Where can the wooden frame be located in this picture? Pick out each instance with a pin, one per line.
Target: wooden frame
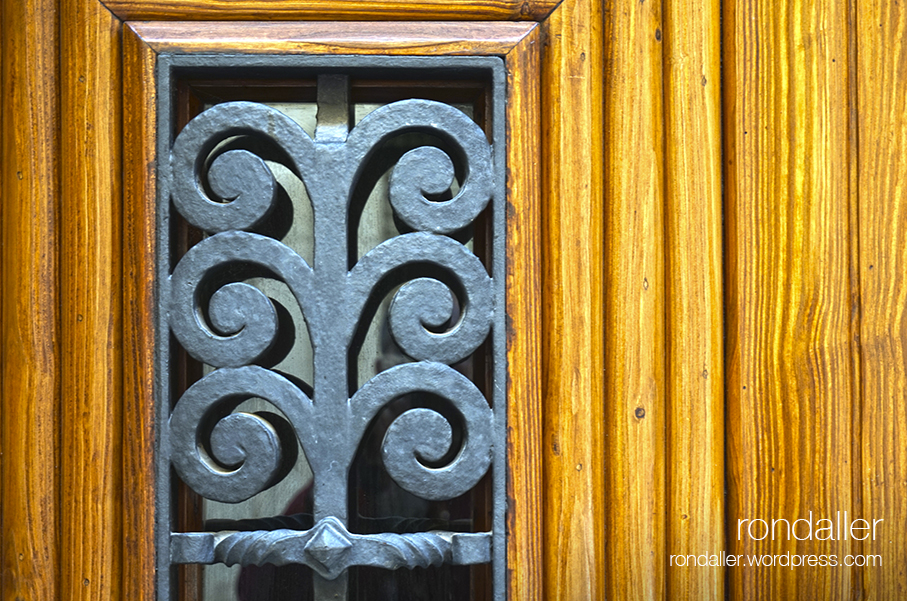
(518, 44)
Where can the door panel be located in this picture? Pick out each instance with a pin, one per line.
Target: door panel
(122, 499)
(618, 445)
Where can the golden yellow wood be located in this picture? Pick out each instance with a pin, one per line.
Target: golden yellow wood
(572, 328)
(29, 304)
(881, 187)
(789, 369)
(629, 304)
(91, 304)
(525, 491)
(635, 411)
(139, 135)
(693, 295)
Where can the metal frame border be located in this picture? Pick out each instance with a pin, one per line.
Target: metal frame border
(168, 67)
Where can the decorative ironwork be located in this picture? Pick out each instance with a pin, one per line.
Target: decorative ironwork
(225, 189)
(329, 548)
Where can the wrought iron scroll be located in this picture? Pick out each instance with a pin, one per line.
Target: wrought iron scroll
(228, 455)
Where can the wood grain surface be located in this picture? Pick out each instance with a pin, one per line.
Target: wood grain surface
(789, 369)
(525, 492)
(91, 303)
(635, 290)
(331, 10)
(881, 107)
(139, 168)
(29, 310)
(572, 329)
(694, 305)
(334, 38)
(623, 392)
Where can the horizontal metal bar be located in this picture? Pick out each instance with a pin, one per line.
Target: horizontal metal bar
(330, 549)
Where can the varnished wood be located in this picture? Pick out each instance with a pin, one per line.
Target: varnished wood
(519, 44)
(635, 290)
(29, 311)
(881, 106)
(814, 220)
(331, 10)
(139, 123)
(788, 286)
(334, 38)
(525, 492)
(694, 305)
(91, 304)
(572, 328)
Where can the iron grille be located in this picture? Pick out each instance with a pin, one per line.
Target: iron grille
(211, 311)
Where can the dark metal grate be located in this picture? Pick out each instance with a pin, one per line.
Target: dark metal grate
(225, 190)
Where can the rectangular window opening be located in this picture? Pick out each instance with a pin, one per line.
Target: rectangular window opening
(222, 268)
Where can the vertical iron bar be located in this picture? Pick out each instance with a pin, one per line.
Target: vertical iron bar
(333, 120)
(330, 590)
(331, 398)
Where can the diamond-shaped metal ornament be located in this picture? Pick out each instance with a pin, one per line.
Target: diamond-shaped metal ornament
(329, 547)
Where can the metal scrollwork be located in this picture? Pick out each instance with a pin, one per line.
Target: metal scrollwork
(251, 443)
(442, 312)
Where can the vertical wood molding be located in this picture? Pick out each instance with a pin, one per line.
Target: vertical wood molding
(29, 355)
(139, 169)
(572, 316)
(634, 301)
(881, 96)
(524, 420)
(91, 308)
(694, 303)
(789, 369)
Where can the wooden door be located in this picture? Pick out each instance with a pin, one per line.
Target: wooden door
(714, 227)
